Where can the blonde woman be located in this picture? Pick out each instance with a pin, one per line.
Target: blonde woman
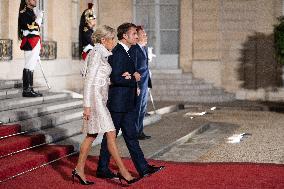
(97, 118)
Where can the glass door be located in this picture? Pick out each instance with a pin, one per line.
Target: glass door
(160, 19)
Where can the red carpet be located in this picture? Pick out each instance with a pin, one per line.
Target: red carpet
(174, 176)
(9, 129)
(25, 160)
(15, 143)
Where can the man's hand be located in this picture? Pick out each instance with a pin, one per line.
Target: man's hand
(127, 75)
(87, 112)
(137, 76)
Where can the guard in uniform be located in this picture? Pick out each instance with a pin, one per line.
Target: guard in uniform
(86, 29)
(29, 24)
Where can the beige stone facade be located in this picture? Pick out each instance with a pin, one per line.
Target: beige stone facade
(226, 42)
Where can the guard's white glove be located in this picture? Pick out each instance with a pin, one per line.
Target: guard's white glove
(39, 16)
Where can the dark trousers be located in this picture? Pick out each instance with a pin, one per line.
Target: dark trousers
(125, 122)
(141, 108)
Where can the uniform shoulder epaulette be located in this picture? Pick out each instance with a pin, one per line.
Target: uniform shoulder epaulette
(23, 10)
(85, 29)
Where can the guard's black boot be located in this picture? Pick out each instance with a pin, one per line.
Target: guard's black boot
(32, 83)
(27, 87)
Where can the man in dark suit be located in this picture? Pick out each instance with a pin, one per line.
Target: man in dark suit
(139, 55)
(122, 104)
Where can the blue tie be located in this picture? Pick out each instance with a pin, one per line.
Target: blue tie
(144, 51)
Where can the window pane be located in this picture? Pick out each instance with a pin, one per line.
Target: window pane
(169, 42)
(145, 15)
(176, 2)
(169, 17)
(143, 2)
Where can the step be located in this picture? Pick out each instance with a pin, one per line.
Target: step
(17, 92)
(51, 120)
(177, 82)
(20, 102)
(8, 84)
(171, 76)
(16, 143)
(29, 159)
(39, 110)
(62, 131)
(183, 87)
(6, 130)
(162, 133)
(207, 99)
(165, 71)
(186, 93)
(76, 140)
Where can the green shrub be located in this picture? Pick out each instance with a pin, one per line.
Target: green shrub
(279, 40)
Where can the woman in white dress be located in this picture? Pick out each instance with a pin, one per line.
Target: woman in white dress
(97, 118)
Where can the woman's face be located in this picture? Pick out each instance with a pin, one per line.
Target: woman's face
(109, 43)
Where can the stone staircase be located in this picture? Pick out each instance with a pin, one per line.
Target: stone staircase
(32, 127)
(36, 131)
(39, 114)
(183, 87)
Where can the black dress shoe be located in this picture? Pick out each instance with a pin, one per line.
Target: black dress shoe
(106, 175)
(143, 137)
(151, 170)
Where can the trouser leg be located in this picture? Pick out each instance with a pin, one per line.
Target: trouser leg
(142, 109)
(31, 59)
(131, 139)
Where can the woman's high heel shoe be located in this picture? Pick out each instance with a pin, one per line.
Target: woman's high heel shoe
(83, 182)
(120, 177)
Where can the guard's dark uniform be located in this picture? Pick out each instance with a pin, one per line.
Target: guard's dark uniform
(29, 28)
(29, 32)
(85, 31)
(87, 42)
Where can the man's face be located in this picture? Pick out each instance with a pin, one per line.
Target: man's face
(131, 36)
(142, 37)
(31, 3)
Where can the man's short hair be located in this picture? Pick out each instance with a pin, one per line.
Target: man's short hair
(123, 29)
(139, 28)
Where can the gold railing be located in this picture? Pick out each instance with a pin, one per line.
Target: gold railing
(75, 50)
(6, 49)
(48, 50)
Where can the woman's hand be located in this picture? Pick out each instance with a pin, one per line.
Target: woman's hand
(86, 113)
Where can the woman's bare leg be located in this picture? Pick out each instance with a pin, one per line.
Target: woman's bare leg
(84, 151)
(112, 147)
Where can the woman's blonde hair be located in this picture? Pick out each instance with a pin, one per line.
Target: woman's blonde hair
(103, 32)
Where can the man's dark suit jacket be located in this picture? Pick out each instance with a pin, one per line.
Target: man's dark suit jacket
(122, 92)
